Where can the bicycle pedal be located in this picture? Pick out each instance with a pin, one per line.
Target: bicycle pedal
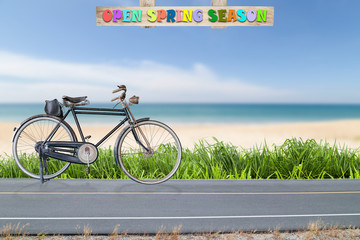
(87, 170)
(87, 137)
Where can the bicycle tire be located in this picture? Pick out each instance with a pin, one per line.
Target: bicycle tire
(149, 168)
(34, 130)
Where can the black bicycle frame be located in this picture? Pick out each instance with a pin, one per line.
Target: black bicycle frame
(98, 111)
(44, 152)
(92, 111)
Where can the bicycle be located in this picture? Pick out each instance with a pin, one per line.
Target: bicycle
(45, 145)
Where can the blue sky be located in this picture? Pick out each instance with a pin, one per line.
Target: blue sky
(52, 48)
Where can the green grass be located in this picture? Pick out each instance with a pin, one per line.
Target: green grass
(294, 159)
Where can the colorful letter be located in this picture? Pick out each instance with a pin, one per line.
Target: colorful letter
(251, 15)
(117, 15)
(178, 17)
(241, 14)
(161, 15)
(170, 15)
(212, 15)
(126, 14)
(261, 15)
(232, 16)
(222, 15)
(198, 15)
(152, 15)
(136, 15)
(107, 15)
(187, 14)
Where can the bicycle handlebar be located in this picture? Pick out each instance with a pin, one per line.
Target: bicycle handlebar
(120, 88)
(121, 97)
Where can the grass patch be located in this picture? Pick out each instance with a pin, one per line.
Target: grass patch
(294, 159)
(315, 230)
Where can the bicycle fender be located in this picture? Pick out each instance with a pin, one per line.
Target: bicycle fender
(142, 119)
(120, 135)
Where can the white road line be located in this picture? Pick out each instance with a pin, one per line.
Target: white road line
(176, 193)
(184, 217)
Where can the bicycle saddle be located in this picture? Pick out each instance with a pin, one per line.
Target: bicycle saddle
(75, 101)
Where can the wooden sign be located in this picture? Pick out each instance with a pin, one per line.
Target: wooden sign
(214, 16)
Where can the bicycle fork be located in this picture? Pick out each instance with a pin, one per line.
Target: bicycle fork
(133, 130)
(148, 148)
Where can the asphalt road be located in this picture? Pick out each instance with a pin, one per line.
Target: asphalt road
(67, 206)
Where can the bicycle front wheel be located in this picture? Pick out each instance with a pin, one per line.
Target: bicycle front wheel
(154, 157)
(32, 133)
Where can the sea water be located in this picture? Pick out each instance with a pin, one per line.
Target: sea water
(203, 113)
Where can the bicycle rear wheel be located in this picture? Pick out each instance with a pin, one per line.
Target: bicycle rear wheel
(33, 132)
(156, 165)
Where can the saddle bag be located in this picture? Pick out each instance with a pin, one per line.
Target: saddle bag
(53, 107)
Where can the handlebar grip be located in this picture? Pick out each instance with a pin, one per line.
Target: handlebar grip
(120, 87)
(121, 97)
(116, 90)
(114, 99)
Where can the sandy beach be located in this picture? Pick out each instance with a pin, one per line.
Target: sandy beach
(345, 132)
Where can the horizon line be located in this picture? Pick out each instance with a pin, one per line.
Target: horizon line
(210, 103)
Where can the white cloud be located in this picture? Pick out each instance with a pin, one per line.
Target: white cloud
(27, 79)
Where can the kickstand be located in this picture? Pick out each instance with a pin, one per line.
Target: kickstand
(42, 162)
(41, 169)
(45, 166)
